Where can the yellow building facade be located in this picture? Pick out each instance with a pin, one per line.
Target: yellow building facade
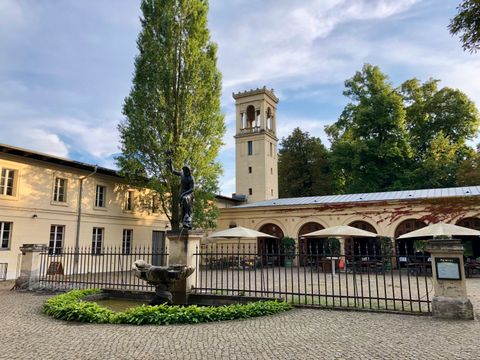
(389, 214)
(39, 203)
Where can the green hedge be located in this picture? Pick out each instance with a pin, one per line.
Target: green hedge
(69, 306)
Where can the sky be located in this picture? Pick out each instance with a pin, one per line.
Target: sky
(66, 66)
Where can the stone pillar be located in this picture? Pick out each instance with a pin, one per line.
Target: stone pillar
(30, 266)
(181, 248)
(448, 275)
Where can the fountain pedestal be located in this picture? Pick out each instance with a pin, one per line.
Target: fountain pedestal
(182, 247)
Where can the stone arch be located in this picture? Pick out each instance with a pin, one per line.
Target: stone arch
(300, 224)
(269, 248)
(405, 246)
(264, 222)
(363, 225)
(251, 116)
(471, 244)
(361, 245)
(309, 245)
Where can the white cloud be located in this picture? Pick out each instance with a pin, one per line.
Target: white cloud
(56, 136)
(99, 138)
(36, 139)
(279, 41)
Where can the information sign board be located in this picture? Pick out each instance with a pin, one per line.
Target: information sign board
(448, 268)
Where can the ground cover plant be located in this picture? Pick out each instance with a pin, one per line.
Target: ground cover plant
(71, 307)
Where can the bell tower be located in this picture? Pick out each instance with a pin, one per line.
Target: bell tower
(256, 144)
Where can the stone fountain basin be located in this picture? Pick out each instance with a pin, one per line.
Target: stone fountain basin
(120, 300)
(117, 300)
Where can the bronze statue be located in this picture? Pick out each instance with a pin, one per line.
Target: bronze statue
(186, 193)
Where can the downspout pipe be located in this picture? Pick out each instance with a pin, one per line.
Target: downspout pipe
(79, 213)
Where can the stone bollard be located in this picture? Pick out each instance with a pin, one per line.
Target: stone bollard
(30, 267)
(181, 251)
(448, 275)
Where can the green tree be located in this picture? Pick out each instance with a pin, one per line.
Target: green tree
(439, 123)
(303, 166)
(466, 24)
(370, 149)
(174, 104)
(468, 173)
(412, 137)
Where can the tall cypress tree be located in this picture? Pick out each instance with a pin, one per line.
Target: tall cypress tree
(174, 104)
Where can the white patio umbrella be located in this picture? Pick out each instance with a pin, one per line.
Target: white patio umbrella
(239, 232)
(441, 229)
(340, 231)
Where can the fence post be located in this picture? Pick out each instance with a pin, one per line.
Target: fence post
(448, 275)
(181, 251)
(30, 266)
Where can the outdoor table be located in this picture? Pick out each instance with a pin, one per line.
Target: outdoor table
(419, 268)
(472, 268)
(328, 264)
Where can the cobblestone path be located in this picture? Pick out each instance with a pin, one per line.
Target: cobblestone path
(25, 333)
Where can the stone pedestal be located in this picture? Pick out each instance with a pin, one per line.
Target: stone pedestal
(30, 267)
(181, 249)
(450, 300)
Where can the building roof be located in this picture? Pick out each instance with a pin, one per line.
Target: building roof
(13, 150)
(466, 191)
(227, 198)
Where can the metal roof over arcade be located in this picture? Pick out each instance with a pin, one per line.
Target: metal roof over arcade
(465, 191)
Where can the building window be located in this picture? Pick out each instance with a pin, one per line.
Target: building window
(56, 239)
(5, 234)
(97, 241)
(60, 190)
(100, 195)
(271, 192)
(271, 149)
(7, 182)
(249, 169)
(271, 171)
(127, 241)
(250, 191)
(129, 200)
(250, 148)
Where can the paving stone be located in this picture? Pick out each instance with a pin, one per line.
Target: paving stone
(26, 333)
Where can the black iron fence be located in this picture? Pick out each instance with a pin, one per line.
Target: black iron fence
(311, 278)
(110, 268)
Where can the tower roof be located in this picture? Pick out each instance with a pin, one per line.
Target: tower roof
(257, 91)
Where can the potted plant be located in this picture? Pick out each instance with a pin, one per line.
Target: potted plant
(333, 247)
(288, 249)
(420, 246)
